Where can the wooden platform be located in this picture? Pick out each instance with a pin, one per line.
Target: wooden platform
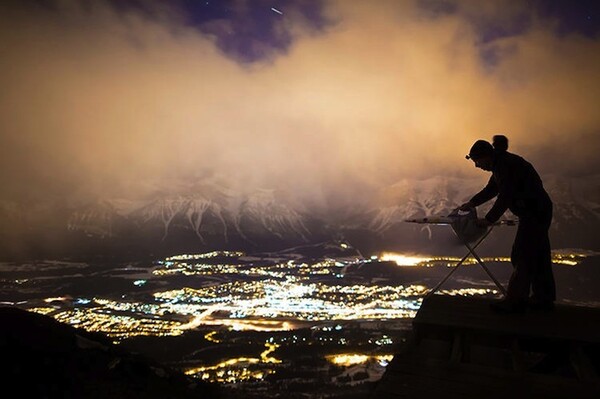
(461, 349)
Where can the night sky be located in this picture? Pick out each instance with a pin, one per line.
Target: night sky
(107, 98)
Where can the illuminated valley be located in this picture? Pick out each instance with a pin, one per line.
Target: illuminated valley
(322, 316)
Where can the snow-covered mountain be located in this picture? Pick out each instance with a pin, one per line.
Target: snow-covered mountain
(408, 199)
(194, 211)
(576, 218)
(211, 214)
(576, 200)
(259, 215)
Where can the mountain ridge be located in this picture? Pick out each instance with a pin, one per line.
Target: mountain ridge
(219, 217)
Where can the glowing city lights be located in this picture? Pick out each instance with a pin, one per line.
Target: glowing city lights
(274, 295)
(404, 260)
(351, 359)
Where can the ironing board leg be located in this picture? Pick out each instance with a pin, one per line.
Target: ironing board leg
(500, 287)
(437, 287)
(477, 258)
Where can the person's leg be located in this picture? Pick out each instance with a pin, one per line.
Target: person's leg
(523, 258)
(520, 280)
(542, 284)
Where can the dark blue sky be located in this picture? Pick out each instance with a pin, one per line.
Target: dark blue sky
(251, 31)
(247, 31)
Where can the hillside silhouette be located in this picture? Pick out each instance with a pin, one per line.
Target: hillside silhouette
(43, 358)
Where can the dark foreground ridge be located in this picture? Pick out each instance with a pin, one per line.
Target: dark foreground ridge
(462, 349)
(43, 358)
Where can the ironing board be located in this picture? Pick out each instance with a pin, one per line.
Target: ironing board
(451, 220)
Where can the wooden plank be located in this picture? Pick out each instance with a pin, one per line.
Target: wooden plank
(459, 307)
(450, 332)
(566, 322)
(419, 377)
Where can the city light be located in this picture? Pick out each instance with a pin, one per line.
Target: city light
(237, 369)
(403, 260)
(351, 359)
(241, 294)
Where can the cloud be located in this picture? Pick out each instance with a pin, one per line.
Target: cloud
(98, 100)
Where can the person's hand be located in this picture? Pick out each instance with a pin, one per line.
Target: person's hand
(483, 223)
(467, 206)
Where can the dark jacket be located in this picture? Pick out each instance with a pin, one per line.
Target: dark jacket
(518, 187)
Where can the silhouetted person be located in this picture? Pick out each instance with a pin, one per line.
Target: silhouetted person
(518, 187)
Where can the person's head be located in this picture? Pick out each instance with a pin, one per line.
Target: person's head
(482, 154)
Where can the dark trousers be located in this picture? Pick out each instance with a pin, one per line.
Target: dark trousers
(531, 259)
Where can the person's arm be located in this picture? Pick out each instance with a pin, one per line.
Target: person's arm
(488, 192)
(506, 192)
